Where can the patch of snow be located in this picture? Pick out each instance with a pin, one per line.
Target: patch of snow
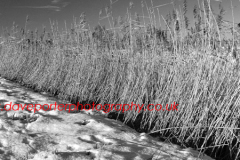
(83, 135)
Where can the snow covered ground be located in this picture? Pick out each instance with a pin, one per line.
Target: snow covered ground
(61, 135)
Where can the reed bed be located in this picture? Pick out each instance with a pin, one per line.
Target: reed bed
(136, 61)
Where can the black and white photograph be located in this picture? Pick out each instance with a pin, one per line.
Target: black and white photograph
(119, 79)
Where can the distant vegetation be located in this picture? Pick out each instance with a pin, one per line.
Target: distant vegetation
(196, 66)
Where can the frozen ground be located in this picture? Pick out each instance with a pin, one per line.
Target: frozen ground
(62, 135)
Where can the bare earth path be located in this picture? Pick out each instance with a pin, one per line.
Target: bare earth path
(60, 135)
